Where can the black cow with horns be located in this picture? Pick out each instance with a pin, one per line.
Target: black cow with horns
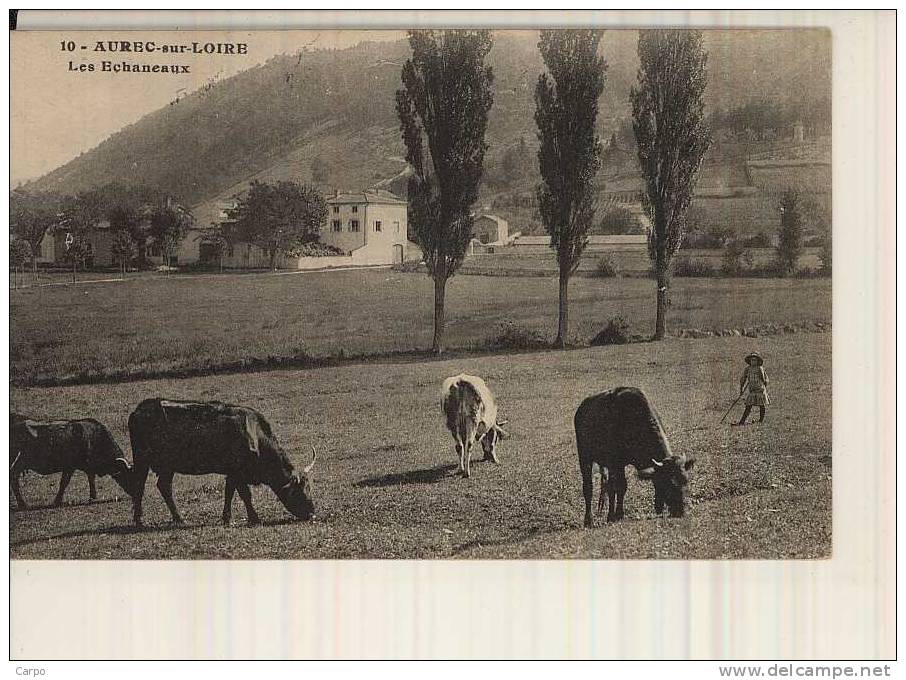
(621, 427)
(200, 438)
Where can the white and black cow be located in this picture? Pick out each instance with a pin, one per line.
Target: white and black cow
(471, 415)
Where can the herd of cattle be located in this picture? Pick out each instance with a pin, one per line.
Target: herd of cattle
(614, 429)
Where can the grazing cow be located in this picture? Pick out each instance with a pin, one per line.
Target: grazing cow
(471, 417)
(48, 447)
(201, 438)
(620, 427)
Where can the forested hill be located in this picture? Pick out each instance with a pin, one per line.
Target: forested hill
(338, 106)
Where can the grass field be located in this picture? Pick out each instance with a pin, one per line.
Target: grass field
(386, 488)
(153, 325)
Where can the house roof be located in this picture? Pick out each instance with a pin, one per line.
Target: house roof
(368, 196)
(495, 218)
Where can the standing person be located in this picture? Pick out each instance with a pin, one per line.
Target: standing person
(757, 381)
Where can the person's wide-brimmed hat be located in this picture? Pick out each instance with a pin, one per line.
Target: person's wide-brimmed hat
(756, 356)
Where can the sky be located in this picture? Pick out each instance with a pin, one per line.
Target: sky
(57, 113)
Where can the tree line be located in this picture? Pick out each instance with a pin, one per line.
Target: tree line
(443, 110)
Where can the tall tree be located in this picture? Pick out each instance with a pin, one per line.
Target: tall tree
(566, 111)
(789, 237)
(443, 110)
(669, 124)
(277, 217)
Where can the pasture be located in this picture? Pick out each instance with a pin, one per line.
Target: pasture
(385, 485)
(158, 325)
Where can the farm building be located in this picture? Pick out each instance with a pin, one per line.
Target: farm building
(491, 229)
(369, 226)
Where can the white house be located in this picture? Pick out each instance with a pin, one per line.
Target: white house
(369, 226)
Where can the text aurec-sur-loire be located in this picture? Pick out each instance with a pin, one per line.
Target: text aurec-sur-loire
(127, 67)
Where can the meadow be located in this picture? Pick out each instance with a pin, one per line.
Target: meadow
(385, 485)
(158, 325)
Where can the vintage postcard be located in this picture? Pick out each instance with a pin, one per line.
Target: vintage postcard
(427, 293)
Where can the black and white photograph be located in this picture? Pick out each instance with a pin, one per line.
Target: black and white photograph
(423, 293)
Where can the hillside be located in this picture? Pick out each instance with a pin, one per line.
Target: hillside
(273, 121)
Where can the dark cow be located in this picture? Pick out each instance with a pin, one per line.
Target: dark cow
(48, 447)
(201, 438)
(620, 427)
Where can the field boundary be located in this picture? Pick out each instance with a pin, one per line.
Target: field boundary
(307, 362)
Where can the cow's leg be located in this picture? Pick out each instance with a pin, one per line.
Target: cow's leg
(588, 490)
(461, 451)
(140, 472)
(246, 495)
(64, 482)
(228, 501)
(468, 456)
(14, 475)
(618, 490)
(165, 486)
(92, 489)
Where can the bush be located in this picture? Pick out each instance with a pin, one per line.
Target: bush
(316, 250)
(619, 220)
(605, 268)
(688, 267)
(736, 258)
(616, 332)
(713, 237)
(511, 335)
(759, 240)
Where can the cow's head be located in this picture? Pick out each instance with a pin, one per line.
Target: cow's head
(121, 471)
(296, 495)
(669, 477)
(492, 436)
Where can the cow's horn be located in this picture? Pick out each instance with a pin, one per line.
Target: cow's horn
(500, 431)
(658, 464)
(502, 422)
(314, 456)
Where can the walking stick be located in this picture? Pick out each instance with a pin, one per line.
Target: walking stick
(731, 408)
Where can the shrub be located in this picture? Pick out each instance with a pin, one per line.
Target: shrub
(616, 332)
(736, 258)
(713, 237)
(409, 267)
(605, 268)
(619, 220)
(316, 249)
(759, 240)
(688, 267)
(511, 335)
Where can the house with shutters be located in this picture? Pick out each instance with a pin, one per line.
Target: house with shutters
(369, 226)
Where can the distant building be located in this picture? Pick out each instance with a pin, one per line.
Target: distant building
(97, 239)
(491, 229)
(798, 131)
